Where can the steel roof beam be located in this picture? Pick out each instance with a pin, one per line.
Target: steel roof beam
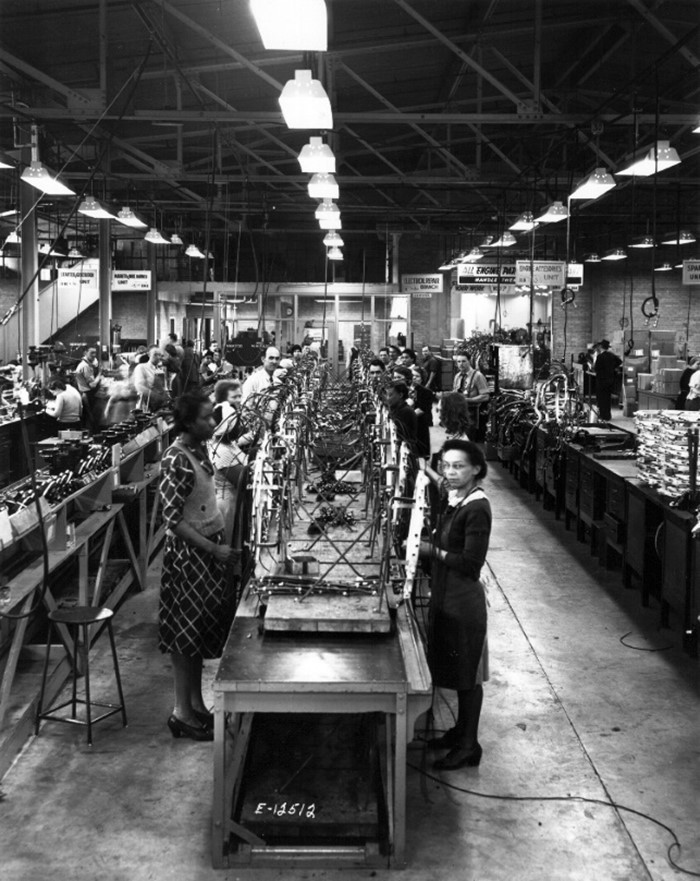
(683, 51)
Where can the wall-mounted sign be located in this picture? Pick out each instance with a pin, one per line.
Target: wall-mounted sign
(691, 272)
(421, 285)
(484, 278)
(77, 278)
(551, 274)
(136, 280)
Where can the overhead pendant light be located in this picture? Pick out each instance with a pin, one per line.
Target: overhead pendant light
(193, 251)
(614, 254)
(75, 254)
(449, 264)
(553, 213)
(155, 237)
(36, 175)
(597, 183)
(524, 223)
(591, 258)
(300, 25)
(328, 211)
(664, 267)
(127, 217)
(684, 237)
(175, 239)
(90, 207)
(506, 240)
(473, 255)
(323, 186)
(304, 103)
(46, 248)
(4, 164)
(642, 242)
(317, 157)
(661, 156)
(335, 254)
(486, 242)
(332, 239)
(13, 238)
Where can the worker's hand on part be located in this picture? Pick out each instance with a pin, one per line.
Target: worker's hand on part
(226, 554)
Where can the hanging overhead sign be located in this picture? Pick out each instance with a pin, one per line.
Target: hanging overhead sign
(486, 278)
(691, 272)
(421, 286)
(131, 280)
(76, 277)
(542, 273)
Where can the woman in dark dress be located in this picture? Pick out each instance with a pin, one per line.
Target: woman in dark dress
(457, 647)
(194, 607)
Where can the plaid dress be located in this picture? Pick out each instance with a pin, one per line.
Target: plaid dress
(194, 609)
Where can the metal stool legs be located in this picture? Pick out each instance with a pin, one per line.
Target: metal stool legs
(79, 620)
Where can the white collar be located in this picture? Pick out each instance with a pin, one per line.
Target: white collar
(455, 501)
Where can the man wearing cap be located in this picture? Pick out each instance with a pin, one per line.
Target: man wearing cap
(606, 365)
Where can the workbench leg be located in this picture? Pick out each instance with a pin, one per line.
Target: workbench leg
(399, 852)
(104, 553)
(219, 813)
(11, 665)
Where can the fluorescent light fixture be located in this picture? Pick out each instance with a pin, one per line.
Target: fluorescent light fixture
(46, 248)
(292, 24)
(591, 258)
(597, 183)
(684, 237)
(334, 254)
(524, 223)
(75, 254)
(553, 213)
(317, 157)
(664, 267)
(661, 156)
(486, 242)
(13, 239)
(155, 237)
(175, 239)
(474, 255)
(642, 242)
(506, 240)
(614, 254)
(90, 207)
(332, 239)
(330, 223)
(37, 176)
(127, 217)
(323, 186)
(193, 251)
(304, 103)
(4, 164)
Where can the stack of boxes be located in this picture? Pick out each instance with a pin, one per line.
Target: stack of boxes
(662, 452)
(666, 373)
(630, 383)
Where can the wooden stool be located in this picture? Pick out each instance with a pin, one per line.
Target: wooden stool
(77, 619)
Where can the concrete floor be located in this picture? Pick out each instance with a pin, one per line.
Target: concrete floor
(570, 714)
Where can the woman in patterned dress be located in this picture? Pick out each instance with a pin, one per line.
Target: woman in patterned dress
(193, 603)
(457, 647)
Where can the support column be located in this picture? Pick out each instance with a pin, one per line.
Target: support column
(152, 297)
(29, 263)
(105, 302)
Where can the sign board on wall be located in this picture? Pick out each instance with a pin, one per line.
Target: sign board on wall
(483, 278)
(544, 273)
(137, 280)
(421, 286)
(691, 272)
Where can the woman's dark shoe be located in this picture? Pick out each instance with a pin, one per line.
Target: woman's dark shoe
(459, 758)
(448, 740)
(182, 729)
(206, 718)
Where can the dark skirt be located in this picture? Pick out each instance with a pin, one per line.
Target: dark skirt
(456, 634)
(195, 608)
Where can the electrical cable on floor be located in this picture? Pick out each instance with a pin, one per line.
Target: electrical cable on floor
(639, 648)
(571, 798)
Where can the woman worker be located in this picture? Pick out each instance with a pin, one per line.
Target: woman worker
(457, 647)
(193, 604)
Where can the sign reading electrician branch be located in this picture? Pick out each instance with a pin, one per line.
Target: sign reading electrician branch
(421, 286)
(691, 272)
(542, 273)
(75, 277)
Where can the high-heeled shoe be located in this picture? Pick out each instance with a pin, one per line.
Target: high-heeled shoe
(206, 718)
(182, 729)
(459, 758)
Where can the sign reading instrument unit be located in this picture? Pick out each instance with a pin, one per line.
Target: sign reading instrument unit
(691, 272)
(137, 280)
(486, 278)
(76, 278)
(551, 274)
(421, 286)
